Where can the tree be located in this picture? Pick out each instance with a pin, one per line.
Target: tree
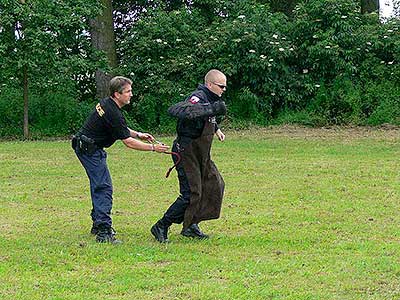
(103, 39)
(42, 47)
(368, 6)
(282, 6)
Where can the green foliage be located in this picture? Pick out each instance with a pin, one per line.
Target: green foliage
(324, 63)
(11, 111)
(48, 39)
(274, 65)
(337, 104)
(53, 113)
(385, 101)
(247, 107)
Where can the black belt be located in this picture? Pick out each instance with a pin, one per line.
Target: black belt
(83, 144)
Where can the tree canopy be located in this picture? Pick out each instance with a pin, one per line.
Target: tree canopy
(312, 62)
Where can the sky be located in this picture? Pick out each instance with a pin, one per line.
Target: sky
(386, 8)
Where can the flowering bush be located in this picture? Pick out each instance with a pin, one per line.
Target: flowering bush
(317, 62)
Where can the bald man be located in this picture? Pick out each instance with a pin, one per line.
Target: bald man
(200, 183)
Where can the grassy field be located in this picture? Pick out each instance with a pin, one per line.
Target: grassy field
(307, 214)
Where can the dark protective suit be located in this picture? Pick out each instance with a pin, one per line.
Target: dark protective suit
(201, 184)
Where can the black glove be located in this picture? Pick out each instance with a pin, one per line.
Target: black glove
(219, 108)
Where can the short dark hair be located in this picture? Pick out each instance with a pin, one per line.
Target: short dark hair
(118, 83)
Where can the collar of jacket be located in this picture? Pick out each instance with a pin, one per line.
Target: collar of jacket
(210, 95)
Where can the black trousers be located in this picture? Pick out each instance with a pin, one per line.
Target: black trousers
(176, 212)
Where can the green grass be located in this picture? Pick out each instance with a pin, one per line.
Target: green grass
(307, 214)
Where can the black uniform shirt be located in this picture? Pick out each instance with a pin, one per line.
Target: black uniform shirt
(106, 124)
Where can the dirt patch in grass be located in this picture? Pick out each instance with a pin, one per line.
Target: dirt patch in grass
(387, 132)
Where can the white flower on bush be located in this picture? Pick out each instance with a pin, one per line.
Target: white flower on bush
(317, 85)
(369, 43)
(281, 49)
(161, 57)
(390, 30)
(305, 71)
(237, 40)
(314, 36)
(390, 62)
(252, 51)
(343, 17)
(262, 56)
(159, 40)
(181, 95)
(271, 60)
(272, 43)
(273, 94)
(291, 49)
(276, 43)
(165, 43)
(149, 59)
(358, 49)
(241, 17)
(382, 61)
(275, 36)
(269, 65)
(208, 51)
(385, 36)
(328, 47)
(178, 40)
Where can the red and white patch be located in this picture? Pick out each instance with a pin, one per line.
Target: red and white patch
(194, 99)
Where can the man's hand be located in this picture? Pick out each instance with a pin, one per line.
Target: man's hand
(145, 137)
(160, 147)
(220, 135)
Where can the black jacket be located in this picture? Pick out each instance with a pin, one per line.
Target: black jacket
(193, 112)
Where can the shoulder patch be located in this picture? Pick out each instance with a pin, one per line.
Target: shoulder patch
(194, 99)
(100, 110)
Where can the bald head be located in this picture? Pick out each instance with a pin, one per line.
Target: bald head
(215, 81)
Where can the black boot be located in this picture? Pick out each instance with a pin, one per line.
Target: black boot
(160, 232)
(194, 231)
(95, 229)
(106, 235)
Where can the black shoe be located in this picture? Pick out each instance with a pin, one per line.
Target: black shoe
(194, 231)
(106, 235)
(95, 229)
(160, 232)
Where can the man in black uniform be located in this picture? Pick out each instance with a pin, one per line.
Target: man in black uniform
(103, 127)
(201, 185)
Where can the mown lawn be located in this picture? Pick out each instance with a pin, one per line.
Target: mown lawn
(307, 214)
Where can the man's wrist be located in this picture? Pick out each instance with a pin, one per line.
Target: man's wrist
(153, 148)
(138, 134)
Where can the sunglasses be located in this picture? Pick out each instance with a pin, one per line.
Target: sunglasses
(221, 86)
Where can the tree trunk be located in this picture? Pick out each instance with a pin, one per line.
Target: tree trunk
(368, 6)
(103, 39)
(285, 7)
(26, 116)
